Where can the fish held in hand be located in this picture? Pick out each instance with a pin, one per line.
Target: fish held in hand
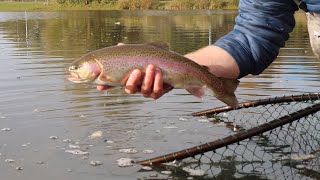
(111, 66)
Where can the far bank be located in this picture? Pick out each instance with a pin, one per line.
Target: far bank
(64, 5)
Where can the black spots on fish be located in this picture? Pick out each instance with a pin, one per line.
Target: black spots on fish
(206, 67)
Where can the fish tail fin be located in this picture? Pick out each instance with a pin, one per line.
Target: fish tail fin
(226, 91)
(230, 84)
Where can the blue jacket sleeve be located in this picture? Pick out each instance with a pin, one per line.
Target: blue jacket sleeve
(261, 28)
(313, 5)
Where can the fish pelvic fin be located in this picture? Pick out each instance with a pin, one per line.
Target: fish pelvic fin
(226, 91)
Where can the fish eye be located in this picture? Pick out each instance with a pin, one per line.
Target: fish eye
(73, 67)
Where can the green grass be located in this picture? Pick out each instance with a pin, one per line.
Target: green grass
(22, 6)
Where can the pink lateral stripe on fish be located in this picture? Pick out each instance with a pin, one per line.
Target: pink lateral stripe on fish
(110, 65)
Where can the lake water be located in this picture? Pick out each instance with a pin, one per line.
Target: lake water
(38, 102)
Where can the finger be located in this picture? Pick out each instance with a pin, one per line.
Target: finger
(157, 85)
(132, 82)
(102, 87)
(147, 83)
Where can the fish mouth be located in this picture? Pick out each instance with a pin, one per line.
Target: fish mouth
(74, 77)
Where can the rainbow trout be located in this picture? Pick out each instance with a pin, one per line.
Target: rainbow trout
(112, 65)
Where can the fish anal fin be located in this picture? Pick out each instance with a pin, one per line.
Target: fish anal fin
(113, 89)
(196, 90)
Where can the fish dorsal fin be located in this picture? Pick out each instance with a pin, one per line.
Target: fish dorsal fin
(160, 45)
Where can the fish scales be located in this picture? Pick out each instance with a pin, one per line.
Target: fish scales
(111, 65)
(141, 56)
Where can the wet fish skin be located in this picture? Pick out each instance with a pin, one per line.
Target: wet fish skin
(111, 66)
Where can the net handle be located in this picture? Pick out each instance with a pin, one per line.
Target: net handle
(274, 100)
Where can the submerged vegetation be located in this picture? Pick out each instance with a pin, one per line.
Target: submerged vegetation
(117, 4)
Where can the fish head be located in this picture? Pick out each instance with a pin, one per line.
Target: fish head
(84, 70)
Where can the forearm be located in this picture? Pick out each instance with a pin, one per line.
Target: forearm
(261, 28)
(219, 61)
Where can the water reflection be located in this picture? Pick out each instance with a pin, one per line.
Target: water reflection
(37, 101)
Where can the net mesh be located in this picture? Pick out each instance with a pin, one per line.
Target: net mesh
(285, 143)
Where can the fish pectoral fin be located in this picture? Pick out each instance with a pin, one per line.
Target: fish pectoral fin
(113, 90)
(195, 90)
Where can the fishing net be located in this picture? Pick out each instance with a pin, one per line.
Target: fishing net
(275, 138)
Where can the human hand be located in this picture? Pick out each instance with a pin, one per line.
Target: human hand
(150, 83)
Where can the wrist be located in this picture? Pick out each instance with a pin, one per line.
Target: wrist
(219, 61)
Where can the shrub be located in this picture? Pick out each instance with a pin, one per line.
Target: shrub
(137, 4)
(123, 4)
(108, 1)
(149, 4)
(202, 4)
(181, 4)
(61, 1)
